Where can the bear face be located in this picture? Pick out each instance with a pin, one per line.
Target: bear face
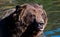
(29, 15)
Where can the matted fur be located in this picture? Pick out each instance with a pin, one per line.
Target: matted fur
(27, 20)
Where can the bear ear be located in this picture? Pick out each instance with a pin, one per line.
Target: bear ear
(18, 7)
(16, 12)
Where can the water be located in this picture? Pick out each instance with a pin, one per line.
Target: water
(49, 32)
(52, 32)
(56, 36)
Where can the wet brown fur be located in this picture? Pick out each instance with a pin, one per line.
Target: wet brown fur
(21, 20)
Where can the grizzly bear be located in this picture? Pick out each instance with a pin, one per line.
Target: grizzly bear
(27, 20)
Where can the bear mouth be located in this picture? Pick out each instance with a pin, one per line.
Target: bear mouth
(40, 27)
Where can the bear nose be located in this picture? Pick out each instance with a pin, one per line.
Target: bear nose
(41, 23)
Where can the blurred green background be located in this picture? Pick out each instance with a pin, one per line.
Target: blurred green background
(52, 8)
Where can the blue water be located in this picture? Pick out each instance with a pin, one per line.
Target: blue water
(52, 32)
(56, 36)
(57, 30)
(49, 32)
